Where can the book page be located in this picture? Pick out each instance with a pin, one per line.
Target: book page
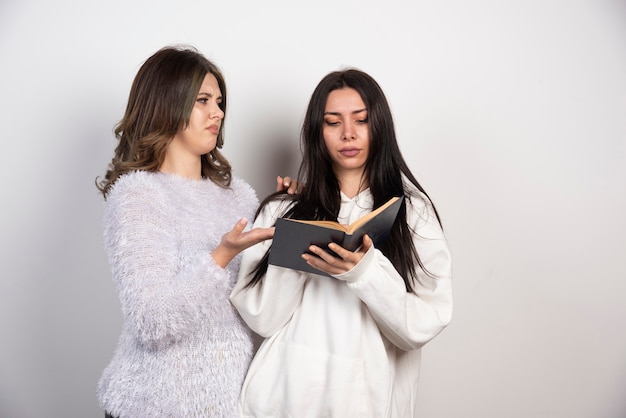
(356, 224)
(349, 229)
(326, 224)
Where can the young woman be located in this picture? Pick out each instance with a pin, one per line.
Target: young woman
(170, 206)
(346, 345)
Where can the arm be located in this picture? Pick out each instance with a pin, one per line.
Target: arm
(408, 320)
(167, 287)
(269, 305)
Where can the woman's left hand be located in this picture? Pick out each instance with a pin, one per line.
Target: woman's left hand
(337, 265)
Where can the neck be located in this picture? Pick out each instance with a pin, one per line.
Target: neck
(351, 184)
(190, 169)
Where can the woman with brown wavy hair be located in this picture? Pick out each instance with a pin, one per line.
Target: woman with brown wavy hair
(170, 205)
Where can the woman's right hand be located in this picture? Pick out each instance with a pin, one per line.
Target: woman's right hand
(236, 241)
(287, 184)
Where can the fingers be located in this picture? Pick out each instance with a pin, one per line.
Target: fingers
(235, 241)
(292, 186)
(286, 184)
(257, 235)
(367, 244)
(240, 226)
(330, 264)
(280, 184)
(345, 260)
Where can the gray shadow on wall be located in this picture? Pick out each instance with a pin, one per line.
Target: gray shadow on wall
(277, 153)
(78, 314)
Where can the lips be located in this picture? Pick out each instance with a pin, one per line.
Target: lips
(214, 129)
(349, 152)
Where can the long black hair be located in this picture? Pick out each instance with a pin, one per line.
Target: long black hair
(386, 172)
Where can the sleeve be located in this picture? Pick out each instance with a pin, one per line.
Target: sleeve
(408, 320)
(270, 304)
(167, 287)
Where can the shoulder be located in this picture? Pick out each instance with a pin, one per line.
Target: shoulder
(135, 186)
(240, 186)
(419, 208)
(244, 194)
(421, 216)
(134, 181)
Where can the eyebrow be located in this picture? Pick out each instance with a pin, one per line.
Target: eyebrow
(209, 95)
(354, 112)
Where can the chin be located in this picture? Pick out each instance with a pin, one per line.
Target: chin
(210, 147)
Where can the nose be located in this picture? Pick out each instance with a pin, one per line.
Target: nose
(348, 132)
(217, 112)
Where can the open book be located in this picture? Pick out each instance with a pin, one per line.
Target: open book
(293, 237)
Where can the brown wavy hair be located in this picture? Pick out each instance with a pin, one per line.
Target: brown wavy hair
(159, 105)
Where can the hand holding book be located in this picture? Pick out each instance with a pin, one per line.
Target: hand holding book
(335, 259)
(292, 237)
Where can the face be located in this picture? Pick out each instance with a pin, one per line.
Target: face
(200, 137)
(346, 131)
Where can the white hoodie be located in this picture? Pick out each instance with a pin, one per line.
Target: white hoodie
(347, 346)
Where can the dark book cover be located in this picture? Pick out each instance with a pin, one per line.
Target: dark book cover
(292, 238)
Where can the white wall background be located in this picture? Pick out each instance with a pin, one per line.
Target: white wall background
(512, 114)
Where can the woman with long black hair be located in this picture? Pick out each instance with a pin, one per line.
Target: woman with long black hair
(346, 345)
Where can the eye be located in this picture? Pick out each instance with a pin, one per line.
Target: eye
(203, 100)
(362, 121)
(331, 122)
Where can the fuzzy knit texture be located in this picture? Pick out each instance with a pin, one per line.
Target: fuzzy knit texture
(184, 350)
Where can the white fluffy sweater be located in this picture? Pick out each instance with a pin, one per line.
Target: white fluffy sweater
(184, 350)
